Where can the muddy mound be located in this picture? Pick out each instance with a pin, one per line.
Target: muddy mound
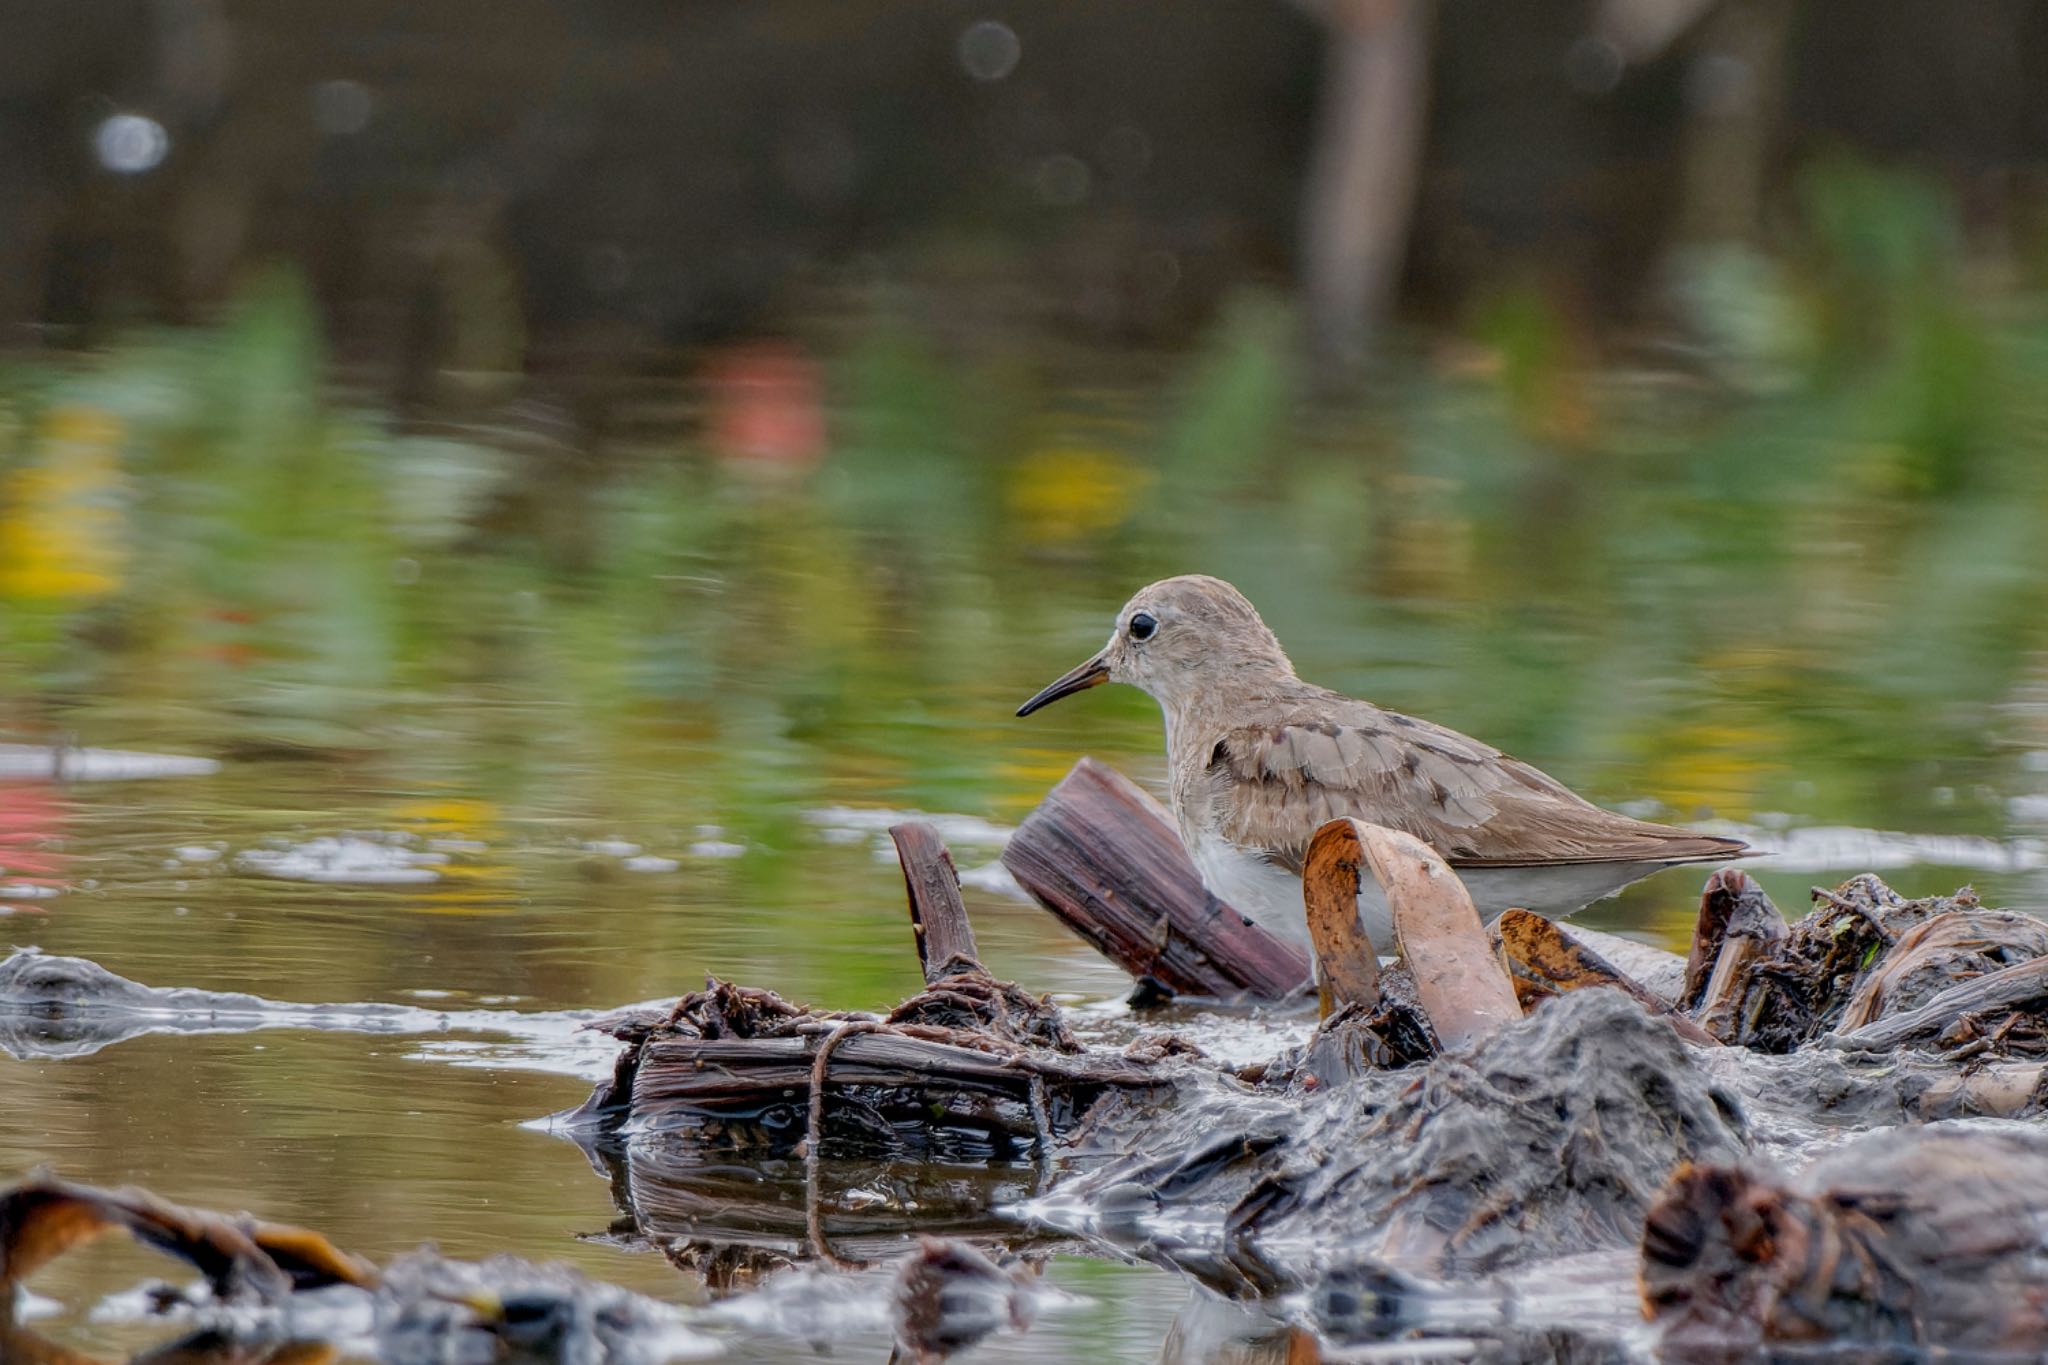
(1551, 1138)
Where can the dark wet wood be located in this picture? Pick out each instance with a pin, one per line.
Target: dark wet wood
(1752, 926)
(1709, 929)
(1538, 953)
(938, 917)
(2024, 984)
(1104, 857)
(1458, 980)
(1347, 963)
(1944, 950)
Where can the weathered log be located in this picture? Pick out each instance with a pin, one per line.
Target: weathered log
(2020, 985)
(938, 917)
(1458, 981)
(1104, 858)
(420, 1307)
(1537, 952)
(1347, 963)
(1938, 953)
(1753, 924)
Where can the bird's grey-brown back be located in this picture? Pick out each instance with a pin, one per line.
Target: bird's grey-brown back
(1259, 760)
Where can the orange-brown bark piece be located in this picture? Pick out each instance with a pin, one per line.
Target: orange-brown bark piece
(42, 1218)
(1537, 951)
(1348, 964)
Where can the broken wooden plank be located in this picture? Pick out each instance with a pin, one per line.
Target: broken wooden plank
(1458, 980)
(1105, 858)
(938, 917)
(1538, 951)
(1347, 964)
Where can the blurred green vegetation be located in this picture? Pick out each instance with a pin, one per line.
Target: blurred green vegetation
(1789, 561)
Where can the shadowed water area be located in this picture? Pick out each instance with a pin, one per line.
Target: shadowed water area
(551, 702)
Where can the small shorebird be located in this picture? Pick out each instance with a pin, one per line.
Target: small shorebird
(1260, 760)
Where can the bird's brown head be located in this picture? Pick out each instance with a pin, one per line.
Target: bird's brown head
(1176, 638)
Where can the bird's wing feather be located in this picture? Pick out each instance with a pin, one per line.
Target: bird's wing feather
(1273, 785)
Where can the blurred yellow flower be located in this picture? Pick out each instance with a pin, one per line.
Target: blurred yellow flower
(60, 515)
(1064, 493)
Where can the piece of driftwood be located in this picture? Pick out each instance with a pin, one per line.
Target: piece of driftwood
(1347, 962)
(420, 1307)
(242, 1260)
(1544, 961)
(1749, 929)
(938, 917)
(1104, 858)
(2022, 985)
(1710, 930)
(950, 1295)
(1941, 952)
(1913, 1244)
(1458, 980)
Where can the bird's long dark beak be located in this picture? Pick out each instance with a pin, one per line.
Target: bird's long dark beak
(1091, 674)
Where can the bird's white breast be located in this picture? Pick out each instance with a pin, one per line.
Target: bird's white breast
(1270, 895)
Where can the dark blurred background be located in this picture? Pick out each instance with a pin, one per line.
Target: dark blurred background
(536, 185)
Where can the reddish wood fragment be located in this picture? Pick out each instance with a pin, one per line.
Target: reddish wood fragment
(1105, 858)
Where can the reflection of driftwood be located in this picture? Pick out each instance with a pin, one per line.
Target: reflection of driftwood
(420, 1307)
(1104, 857)
(865, 1208)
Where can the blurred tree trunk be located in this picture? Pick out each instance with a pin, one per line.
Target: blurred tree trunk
(1734, 92)
(1363, 169)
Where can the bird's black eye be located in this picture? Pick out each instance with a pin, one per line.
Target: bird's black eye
(1143, 625)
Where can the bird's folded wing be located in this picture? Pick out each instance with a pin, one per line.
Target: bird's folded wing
(1274, 785)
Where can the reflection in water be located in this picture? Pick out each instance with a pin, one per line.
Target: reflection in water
(717, 623)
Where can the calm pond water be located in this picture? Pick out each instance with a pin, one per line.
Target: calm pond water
(565, 698)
